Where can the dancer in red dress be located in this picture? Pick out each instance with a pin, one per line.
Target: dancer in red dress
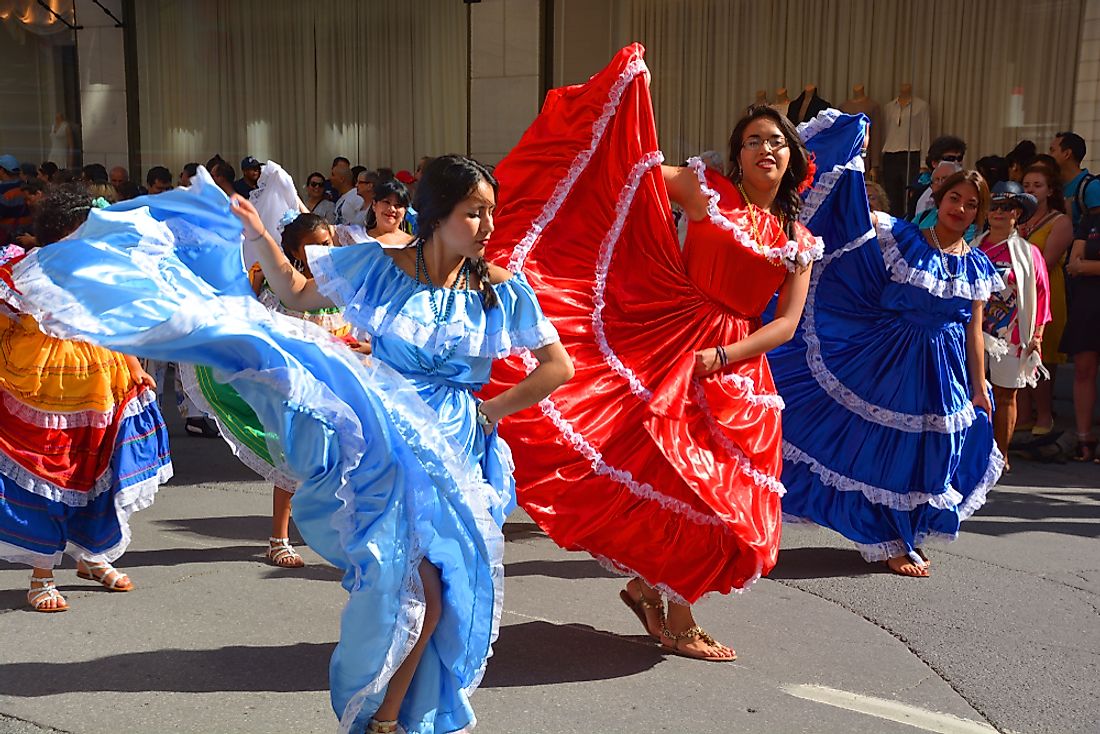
(661, 458)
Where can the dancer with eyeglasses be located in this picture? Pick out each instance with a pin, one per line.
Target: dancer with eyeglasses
(887, 436)
(661, 457)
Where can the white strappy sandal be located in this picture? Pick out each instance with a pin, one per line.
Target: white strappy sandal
(46, 591)
(281, 553)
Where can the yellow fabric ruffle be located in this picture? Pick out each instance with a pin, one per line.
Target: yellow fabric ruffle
(58, 375)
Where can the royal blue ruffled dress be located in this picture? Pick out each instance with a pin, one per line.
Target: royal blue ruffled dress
(392, 470)
(881, 441)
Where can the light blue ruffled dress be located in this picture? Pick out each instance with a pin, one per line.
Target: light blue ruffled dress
(447, 363)
(392, 470)
(881, 442)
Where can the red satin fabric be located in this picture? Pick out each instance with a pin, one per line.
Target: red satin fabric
(671, 484)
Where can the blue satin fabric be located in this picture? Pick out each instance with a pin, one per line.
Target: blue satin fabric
(382, 485)
(881, 442)
(446, 363)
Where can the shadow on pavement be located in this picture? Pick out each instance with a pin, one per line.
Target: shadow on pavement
(541, 653)
(817, 563)
(579, 569)
(1067, 513)
(278, 669)
(519, 531)
(256, 528)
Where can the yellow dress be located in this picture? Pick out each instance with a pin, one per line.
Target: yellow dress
(1052, 335)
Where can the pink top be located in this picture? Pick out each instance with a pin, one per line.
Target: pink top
(1000, 312)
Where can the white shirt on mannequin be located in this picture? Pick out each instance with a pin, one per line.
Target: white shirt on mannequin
(906, 127)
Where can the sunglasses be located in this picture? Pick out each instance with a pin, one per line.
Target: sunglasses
(315, 184)
(363, 183)
(952, 159)
(1004, 206)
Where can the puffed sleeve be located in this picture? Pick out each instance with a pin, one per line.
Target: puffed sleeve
(521, 324)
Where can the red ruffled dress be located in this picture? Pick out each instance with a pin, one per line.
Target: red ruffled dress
(653, 472)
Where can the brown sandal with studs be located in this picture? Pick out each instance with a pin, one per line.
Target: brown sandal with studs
(695, 633)
(639, 607)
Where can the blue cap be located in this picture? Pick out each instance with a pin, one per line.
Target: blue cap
(248, 162)
(9, 163)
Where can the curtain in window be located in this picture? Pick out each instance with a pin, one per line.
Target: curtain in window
(991, 72)
(381, 83)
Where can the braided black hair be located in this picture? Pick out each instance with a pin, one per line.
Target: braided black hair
(444, 183)
(61, 211)
(787, 200)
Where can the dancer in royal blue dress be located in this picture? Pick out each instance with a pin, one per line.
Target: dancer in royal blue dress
(403, 481)
(886, 433)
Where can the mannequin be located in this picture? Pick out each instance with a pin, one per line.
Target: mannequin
(761, 97)
(61, 142)
(782, 101)
(905, 144)
(806, 105)
(860, 102)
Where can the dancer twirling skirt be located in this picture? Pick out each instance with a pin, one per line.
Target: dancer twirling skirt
(886, 435)
(82, 442)
(661, 457)
(405, 498)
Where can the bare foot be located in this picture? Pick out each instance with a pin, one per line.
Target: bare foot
(906, 566)
(648, 607)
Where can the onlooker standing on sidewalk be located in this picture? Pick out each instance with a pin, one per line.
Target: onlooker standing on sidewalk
(250, 176)
(1051, 231)
(1015, 316)
(158, 180)
(315, 199)
(1082, 335)
(1081, 188)
(349, 207)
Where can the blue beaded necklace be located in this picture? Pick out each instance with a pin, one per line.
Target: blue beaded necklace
(442, 311)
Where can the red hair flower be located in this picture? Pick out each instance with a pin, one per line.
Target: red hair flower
(811, 170)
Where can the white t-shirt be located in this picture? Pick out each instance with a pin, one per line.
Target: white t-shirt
(349, 209)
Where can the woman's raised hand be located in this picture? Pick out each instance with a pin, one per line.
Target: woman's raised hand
(250, 218)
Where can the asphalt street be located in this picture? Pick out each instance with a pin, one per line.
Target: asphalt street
(1005, 636)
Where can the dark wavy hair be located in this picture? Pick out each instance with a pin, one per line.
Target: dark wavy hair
(445, 182)
(787, 199)
(971, 177)
(384, 189)
(295, 233)
(61, 211)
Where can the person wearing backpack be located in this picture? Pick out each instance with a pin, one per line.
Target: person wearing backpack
(1081, 188)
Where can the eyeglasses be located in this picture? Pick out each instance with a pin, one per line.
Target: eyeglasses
(361, 182)
(775, 142)
(315, 184)
(952, 159)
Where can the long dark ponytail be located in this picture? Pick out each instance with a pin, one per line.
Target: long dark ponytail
(444, 183)
(787, 199)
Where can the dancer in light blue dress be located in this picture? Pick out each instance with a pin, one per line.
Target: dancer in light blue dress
(886, 433)
(404, 483)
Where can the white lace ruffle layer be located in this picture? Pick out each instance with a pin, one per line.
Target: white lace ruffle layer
(577, 167)
(843, 395)
(35, 484)
(788, 255)
(902, 272)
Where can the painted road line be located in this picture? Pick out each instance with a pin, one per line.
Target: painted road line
(882, 708)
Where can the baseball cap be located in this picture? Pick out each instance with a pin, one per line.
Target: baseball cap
(9, 163)
(248, 162)
(404, 177)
